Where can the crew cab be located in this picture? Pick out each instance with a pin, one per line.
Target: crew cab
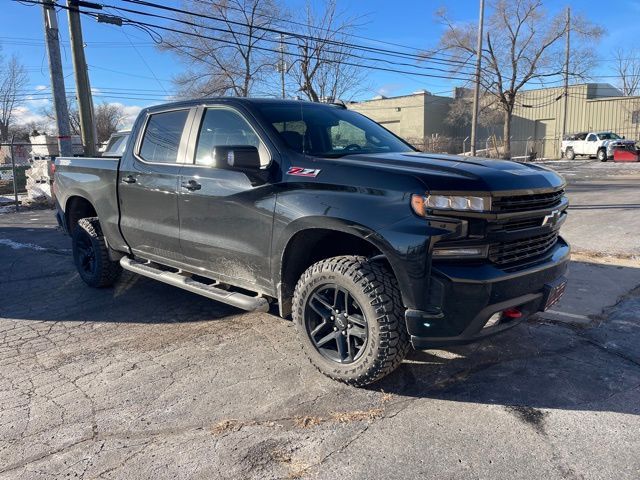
(593, 144)
(367, 244)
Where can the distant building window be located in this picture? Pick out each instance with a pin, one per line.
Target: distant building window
(635, 116)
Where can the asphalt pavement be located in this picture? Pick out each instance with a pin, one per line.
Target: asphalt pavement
(147, 381)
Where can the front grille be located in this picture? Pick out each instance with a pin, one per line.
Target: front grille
(519, 251)
(519, 203)
(515, 225)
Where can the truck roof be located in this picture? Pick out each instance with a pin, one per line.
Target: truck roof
(242, 100)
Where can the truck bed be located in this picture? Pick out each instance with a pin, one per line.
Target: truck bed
(96, 180)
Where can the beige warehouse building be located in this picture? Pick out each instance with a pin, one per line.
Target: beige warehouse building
(537, 123)
(539, 115)
(418, 118)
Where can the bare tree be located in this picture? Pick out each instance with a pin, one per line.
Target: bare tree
(13, 79)
(523, 45)
(231, 60)
(108, 118)
(489, 112)
(627, 65)
(319, 67)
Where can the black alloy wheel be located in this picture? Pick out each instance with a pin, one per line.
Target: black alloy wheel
(349, 315)
(86, 259)
(335, 324)
(91, 254)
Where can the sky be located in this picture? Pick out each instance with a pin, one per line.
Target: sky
(126, 67)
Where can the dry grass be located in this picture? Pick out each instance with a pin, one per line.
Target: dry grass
(308, 422)
(297, 468)
(357, 415)
(227, 426)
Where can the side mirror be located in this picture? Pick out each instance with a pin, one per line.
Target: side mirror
(241, 157)
(623, 137)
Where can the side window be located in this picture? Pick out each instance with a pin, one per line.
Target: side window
(162, 135)
(591, 138)
(223, 127)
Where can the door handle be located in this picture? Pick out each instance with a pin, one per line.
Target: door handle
(191, 185)
(129, 179)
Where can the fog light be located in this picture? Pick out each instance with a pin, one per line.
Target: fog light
(458, 252)
(494, 320)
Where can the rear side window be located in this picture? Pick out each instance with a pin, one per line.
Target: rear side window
(162, 135)
(591, 138)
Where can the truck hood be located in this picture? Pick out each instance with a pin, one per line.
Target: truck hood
(618, 142)
(453, 173)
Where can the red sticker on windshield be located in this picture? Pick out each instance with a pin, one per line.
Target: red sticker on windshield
(303, 172)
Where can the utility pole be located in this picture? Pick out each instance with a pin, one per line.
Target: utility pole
(283, 68)
(476, 90)
(57, 79)
(566, 75)
(85, 101)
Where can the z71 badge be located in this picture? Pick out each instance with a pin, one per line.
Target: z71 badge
(303, 172)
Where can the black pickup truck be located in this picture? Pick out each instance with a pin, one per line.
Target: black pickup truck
(369, 245)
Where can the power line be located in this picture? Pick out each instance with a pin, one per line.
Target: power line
(280, 42)
(278, 31)
(328, 30)
(165, 28)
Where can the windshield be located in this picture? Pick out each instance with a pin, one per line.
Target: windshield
(329, 131)
(608, 136)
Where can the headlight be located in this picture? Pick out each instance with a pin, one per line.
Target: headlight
(422, 203)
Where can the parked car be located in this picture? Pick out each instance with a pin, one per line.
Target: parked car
(593, 144)
(116, 145)
(370, 245)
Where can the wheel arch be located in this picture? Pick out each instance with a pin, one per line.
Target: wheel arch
(77, 207)
(309, 245)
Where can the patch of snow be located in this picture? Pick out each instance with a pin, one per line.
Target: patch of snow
(32, 246)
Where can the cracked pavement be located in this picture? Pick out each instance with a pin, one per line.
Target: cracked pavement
(147, 381)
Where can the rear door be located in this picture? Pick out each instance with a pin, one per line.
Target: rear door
(226, 217)
(148, 185)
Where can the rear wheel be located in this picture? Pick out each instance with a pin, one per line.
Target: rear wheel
(91, 255)
(569, 153)
(602, 155)
(349, 315)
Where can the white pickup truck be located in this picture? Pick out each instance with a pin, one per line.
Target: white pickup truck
(593, 144)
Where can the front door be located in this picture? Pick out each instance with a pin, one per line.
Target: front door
(591, 145)
(148, 186)
(226, 218)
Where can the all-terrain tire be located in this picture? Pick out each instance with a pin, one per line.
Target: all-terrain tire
(375, 289)
(602, 155)
(91, 255)
(569, 154)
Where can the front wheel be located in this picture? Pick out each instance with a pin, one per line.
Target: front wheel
(602, 155)
(350, 318)
(91, 256)
(569, 154)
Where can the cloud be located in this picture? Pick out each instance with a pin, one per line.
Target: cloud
(389, 89)
(130, 114)
(31, 112)
(40, 88)
(24, 115)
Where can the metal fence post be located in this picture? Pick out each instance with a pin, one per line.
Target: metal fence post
(13, 170)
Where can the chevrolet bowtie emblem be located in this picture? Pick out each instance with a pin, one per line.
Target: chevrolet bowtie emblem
(552, 218)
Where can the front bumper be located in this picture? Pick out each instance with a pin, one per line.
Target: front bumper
(463, 298)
